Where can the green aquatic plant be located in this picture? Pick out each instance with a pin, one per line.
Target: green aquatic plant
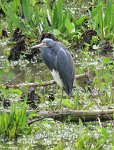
(14, 124)
(33, 18)
(101, 19)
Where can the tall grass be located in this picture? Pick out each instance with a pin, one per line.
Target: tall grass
(14, 124)
(102, 19)
(33, 17)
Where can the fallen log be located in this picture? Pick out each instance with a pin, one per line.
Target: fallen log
(75, 115)
(71, 115)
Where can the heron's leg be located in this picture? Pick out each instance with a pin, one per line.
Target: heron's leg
(61, 98)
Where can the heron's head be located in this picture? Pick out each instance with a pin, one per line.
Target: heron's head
(46, 42)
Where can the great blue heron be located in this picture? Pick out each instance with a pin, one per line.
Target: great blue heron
(59, 61)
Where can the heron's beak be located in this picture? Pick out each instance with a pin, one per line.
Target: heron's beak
(41, 45)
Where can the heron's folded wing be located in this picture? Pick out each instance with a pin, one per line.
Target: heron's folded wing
(65, 69)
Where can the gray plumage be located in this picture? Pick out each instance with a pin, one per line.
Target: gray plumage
(57, 58)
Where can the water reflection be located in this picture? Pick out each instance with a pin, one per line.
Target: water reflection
(32, 72)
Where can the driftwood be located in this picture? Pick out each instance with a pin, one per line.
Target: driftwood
(44, 84)
(74, 116)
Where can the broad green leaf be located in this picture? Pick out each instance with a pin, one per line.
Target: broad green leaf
(15, 91)
(69, 25)
(106, 60)
(66, 102)
(56, 32)
(108, 13)
(80, 20)
(96, 10)
(12, 132)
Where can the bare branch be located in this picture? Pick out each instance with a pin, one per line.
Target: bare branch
(44, 84)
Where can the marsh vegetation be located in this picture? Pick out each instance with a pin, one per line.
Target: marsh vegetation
(87, 29)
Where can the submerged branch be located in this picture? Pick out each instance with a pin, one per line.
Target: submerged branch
(44, 84)
(74, 116)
